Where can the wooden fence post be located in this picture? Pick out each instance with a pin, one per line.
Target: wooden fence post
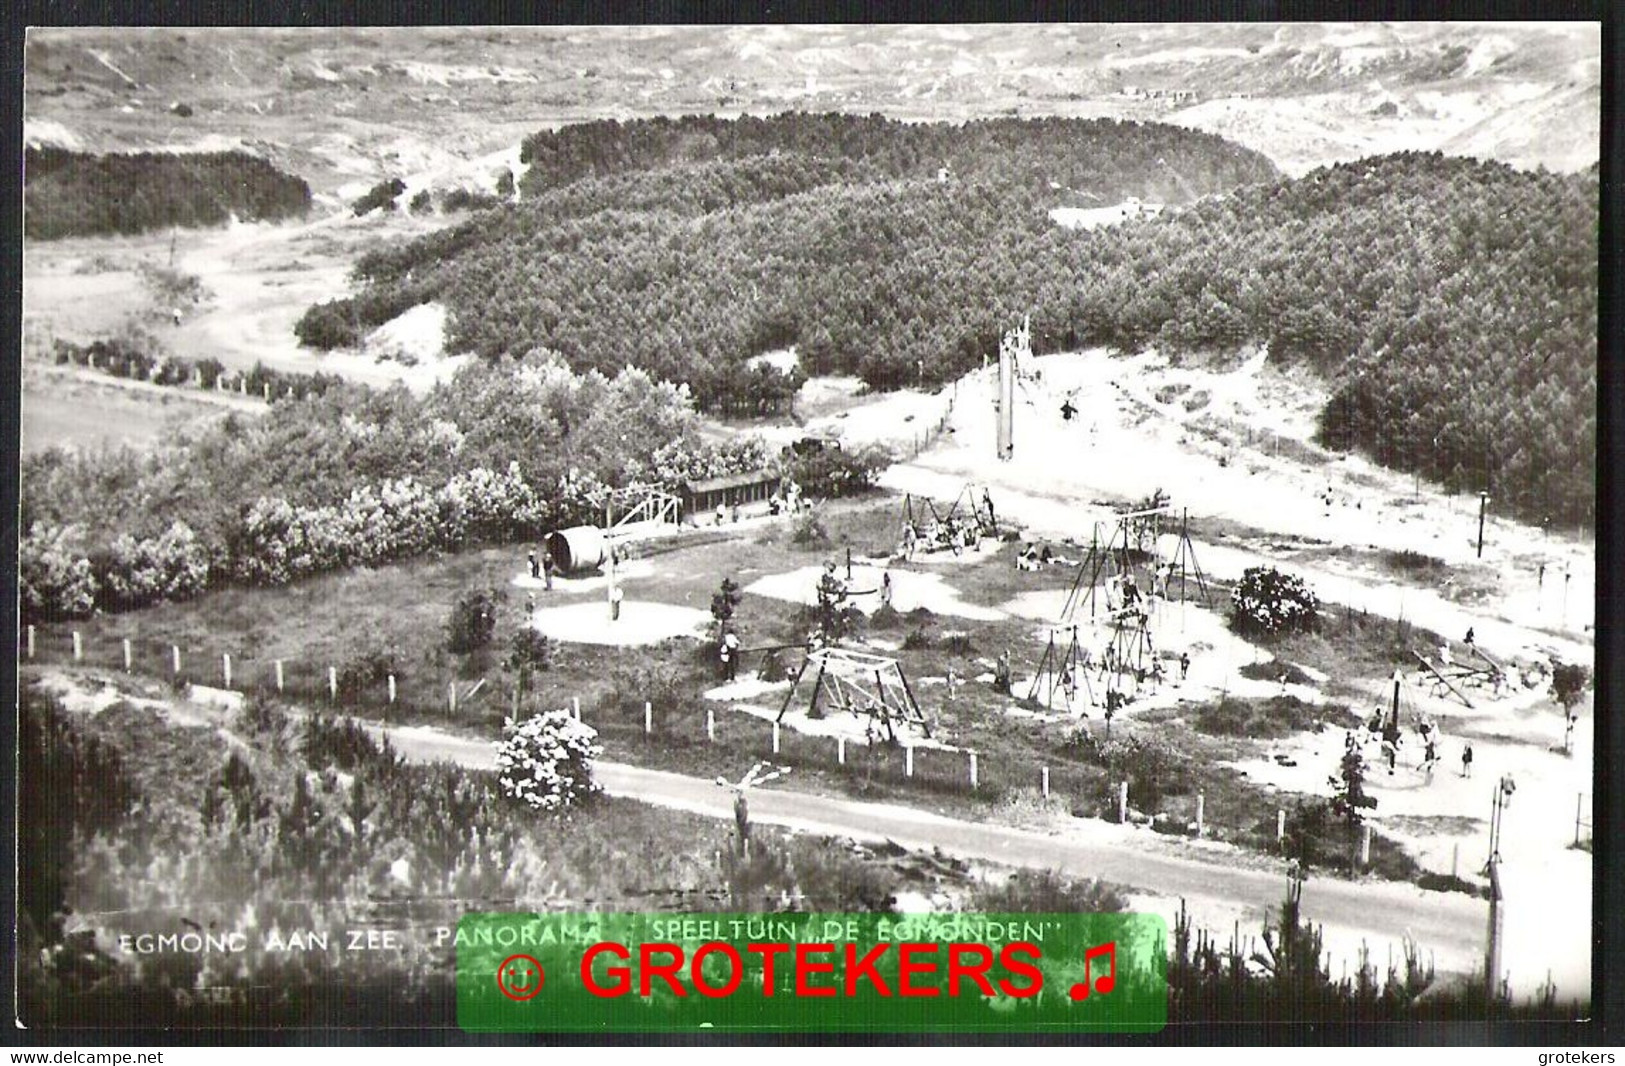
(78, 646)
(1122, 802)
(1280, 827)
(129, 655)
(1201, 804)
(711, 725)
(908, 760)
(175, 658)
(31, 641)
(451, 696)
(391, 688)
(1043, 779)
(225, 667)
(1365, 847)
(775, 738)
(575, 707)
(648, 717)
(840, 750)
(973, 780)
(333, 682)
(279, 675)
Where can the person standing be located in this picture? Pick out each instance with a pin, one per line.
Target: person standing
(1467, 759)
(615, 604)
(1184, 665)
(885, 588)
(722, 513)
(547, 572)
(987, 501)
(535, 567)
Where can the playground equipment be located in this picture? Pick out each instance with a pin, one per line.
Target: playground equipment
(969, 518)
(1138, 539)
(629, 514)
(1454, 676)
(860, 683)
(1063, 671)
(1129, 662)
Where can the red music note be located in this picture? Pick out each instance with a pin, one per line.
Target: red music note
(1104, 984)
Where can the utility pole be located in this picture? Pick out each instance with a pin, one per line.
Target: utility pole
(1492, 934)
(1483, 505)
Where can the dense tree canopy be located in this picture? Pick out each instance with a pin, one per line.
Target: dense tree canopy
(71, 194)
(1450, 304)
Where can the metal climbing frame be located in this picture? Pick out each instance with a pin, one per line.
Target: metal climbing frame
(858, 683)
(1063, 670)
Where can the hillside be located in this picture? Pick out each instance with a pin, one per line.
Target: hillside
(872, 265)
(342, 107)
(73, 194)
(1455, 331)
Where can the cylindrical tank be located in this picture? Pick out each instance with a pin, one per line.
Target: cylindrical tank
(577, 549)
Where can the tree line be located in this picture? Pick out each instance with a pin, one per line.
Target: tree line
(77, 194)
(350, 476)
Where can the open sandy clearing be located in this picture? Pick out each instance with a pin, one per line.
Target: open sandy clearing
(640, 623)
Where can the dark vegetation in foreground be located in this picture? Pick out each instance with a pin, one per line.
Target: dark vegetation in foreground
(131, 825)
(74, 194)
(1450, 303)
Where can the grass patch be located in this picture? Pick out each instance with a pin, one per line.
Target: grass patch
(1269, 719)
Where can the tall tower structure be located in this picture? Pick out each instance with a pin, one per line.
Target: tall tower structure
(1016, 345)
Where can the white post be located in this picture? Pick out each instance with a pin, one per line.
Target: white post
(1455, 858)
(1043, 779)
(1201, 804)
(279, 675)
(175, 658)
(333, 682)
(648, 717)
(575, 707)
(267, 392)
(711, 725)
(1365, 847)
(1122, 802)
(129, 657)
(391, 688)
(973, 782)
(242, 386)
(78, 646)
(1280, 826)
(840, 750)
(30, 642)
(775, 738)
(451, 696)
(908, 760)
(225, 667)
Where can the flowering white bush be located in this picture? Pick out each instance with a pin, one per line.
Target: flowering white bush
(171, 566)
(546, 761)
(54, 577)
(1268, 602)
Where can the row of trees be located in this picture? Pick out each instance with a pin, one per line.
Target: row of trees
(73, 194)
(353, 476)
(1450, 303)
(1089, 158)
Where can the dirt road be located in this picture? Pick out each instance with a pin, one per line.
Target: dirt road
(1382, 914)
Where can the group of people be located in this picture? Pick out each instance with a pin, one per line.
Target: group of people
(1392, 739)
(1034, 558)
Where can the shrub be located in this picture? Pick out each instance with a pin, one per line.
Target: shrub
(55, 579)
(546, 761)
(1047, 892)
(381, 195)
(473, 621)
(1267, 603)
(364, 670)
(171, 566)
(834, 472)
(1569, 681)
(528, 652)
